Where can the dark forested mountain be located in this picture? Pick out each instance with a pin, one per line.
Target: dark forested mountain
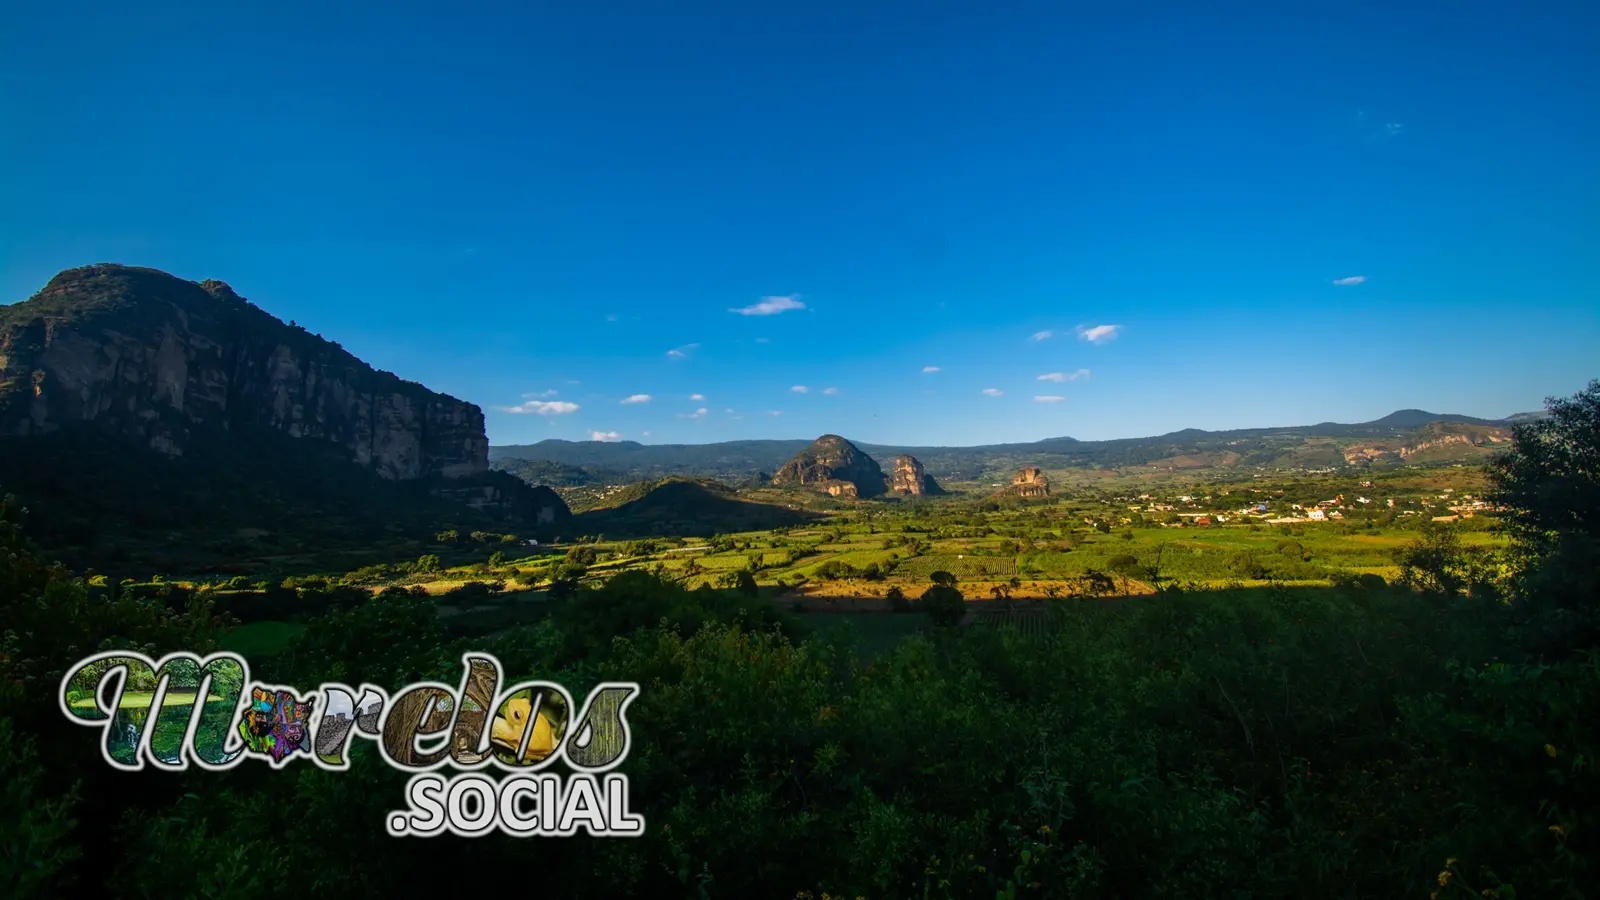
(1402, 436)
(684, 507)
(138, 402)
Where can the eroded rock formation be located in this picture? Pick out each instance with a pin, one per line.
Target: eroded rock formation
(834, 465)
(144, 356)
(1030, 481)
(909, 478)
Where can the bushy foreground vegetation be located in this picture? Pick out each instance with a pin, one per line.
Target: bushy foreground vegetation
(1432, 738)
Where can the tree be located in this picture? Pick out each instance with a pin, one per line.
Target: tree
(897, 600)
(426, 564)
(1095, 583)
(1245, 565)
(497, 559)
(1549, 485)
(1434, 562)
(944, 578)
(1294, 551)
(1125, 566)
(944, 605)
(745, 583)
(565, 580)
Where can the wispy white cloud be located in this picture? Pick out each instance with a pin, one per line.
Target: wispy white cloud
(799, 389)
(763, 340)
(774, 412)
(992, 392)
(697, 414)
(645, 433)
(605, 436)
(1353, 279)
(1099, 334)
(697, 396)
(770, 306)
(549, 393)
(611, 317)
(1062, 377)
(573, 381)
(1048, 398)
(1043, 335)
(543, 408)
(830, 391)
(682, 352)
(637, 398)
(929, 370)
(729, 411)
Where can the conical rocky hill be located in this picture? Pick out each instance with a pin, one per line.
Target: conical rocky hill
(834, 465)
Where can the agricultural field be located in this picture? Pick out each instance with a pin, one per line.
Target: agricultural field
(1111, 538)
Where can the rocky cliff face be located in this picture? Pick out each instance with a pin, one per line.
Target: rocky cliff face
(1030, 482)
(834, 465)
(153, 358)
(1438, 439)
(909, 478)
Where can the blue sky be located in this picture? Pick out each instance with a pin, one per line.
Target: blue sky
(532, 204)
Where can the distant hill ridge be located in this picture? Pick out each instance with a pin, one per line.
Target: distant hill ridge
(1284, 446)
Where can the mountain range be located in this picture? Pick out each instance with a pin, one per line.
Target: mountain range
(1408, 435)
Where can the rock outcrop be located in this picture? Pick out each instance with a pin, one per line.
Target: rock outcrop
(1436, 439)
(1030, 482)
(151, 357)
(834, 465)
(175, 366)
(909, 478)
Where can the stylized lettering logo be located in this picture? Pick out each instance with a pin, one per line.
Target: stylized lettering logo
(276, 724)
(170, 713)
(186, 709)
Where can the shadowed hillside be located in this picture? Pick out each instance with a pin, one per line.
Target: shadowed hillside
(684, 507)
